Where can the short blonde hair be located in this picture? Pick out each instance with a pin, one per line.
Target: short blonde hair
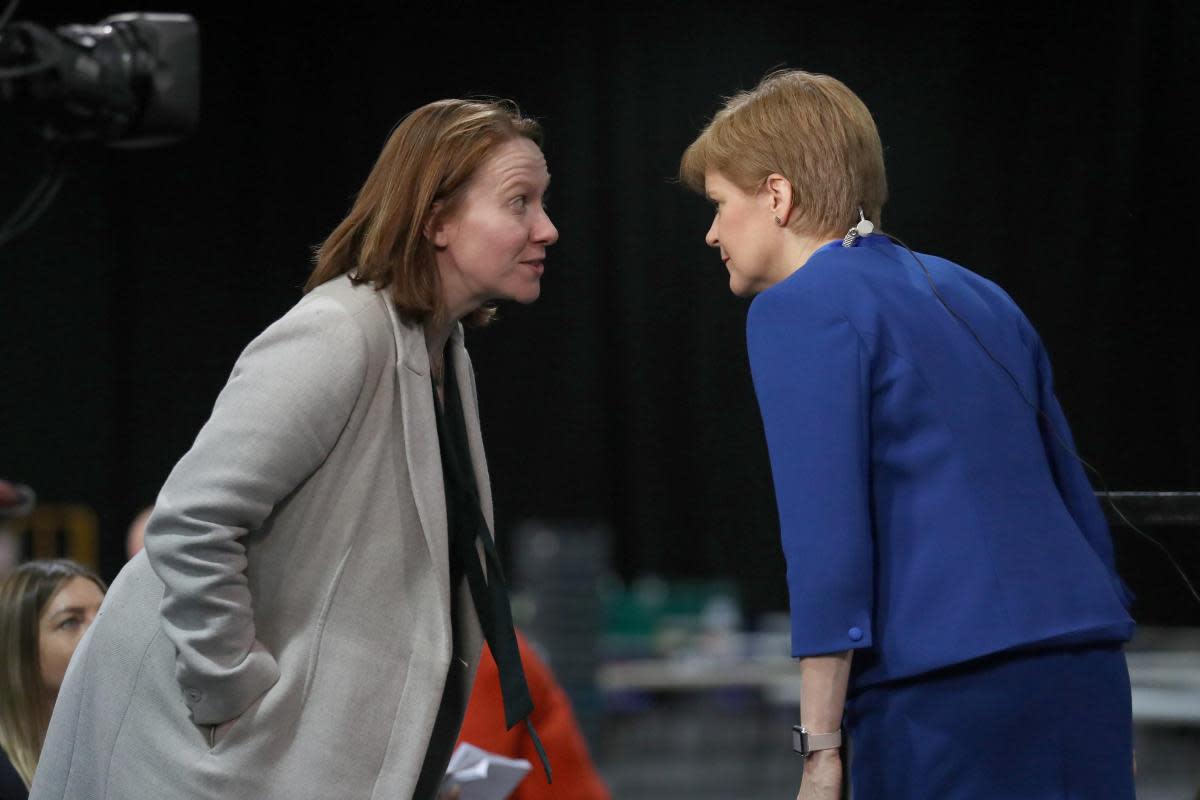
(809, 128)
(429, 159)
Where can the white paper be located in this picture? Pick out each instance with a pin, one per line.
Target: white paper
(483, 775)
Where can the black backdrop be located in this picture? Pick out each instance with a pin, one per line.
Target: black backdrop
(1049, 149)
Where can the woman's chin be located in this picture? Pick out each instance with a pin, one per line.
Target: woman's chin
(529, 295)
(740, 287)
(523, 295)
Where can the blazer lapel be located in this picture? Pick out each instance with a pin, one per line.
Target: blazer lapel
(421, 441)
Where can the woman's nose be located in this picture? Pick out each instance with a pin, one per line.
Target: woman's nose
(546, 232)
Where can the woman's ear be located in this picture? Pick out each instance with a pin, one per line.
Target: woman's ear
(779, 196)
(436, 226)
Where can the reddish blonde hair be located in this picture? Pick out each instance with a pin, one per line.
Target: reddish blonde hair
(429, 159)
(809, 128)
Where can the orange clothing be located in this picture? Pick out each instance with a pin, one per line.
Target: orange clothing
(575, 775)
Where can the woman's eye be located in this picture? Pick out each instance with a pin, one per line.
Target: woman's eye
(69, 624)
(519, 203)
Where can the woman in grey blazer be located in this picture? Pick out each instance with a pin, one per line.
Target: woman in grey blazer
(291, 629)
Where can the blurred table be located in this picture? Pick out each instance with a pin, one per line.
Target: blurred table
(1164, 671)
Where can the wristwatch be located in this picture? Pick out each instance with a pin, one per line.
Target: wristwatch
(806, 743)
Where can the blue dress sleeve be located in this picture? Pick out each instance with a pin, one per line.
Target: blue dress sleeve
(1073, 486)
(812, 379)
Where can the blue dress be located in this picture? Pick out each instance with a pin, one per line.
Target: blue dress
(932, 515)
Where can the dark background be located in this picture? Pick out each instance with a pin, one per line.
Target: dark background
(1049, 149)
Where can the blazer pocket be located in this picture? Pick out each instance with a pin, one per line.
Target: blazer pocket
(215, 735)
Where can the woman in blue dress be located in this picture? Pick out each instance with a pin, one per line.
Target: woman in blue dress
(954, 602)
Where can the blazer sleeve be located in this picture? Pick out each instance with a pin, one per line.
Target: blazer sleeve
(812, 379)
(289, 397)
(1073, 486)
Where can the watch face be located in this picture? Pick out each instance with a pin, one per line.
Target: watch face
(800, 740)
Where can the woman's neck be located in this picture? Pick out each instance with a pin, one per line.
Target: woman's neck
(436, 336)
(799, 248)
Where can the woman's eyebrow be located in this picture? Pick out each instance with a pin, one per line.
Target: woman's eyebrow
(515, 182)
(69, 610)
(525, 180)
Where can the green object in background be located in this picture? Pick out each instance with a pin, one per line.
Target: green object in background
(658, 617)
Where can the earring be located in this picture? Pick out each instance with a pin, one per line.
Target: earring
(778, 221)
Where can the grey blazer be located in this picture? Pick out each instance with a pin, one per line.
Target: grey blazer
(286, 632)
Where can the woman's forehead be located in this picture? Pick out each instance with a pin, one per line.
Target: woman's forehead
(715, 179)
(73, 592)
(519, 159)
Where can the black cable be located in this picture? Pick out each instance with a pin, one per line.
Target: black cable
(1050, 425)
(50, 45)
(38, 199)
(8, 12)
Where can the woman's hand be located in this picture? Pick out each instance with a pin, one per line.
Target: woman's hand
(452, 793)
(822, 776)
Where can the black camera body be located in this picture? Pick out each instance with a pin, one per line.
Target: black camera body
(132, 80)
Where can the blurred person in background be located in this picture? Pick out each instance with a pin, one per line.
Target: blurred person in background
(16, 501)
(135, 536)
(45, 608)
(575, 775)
